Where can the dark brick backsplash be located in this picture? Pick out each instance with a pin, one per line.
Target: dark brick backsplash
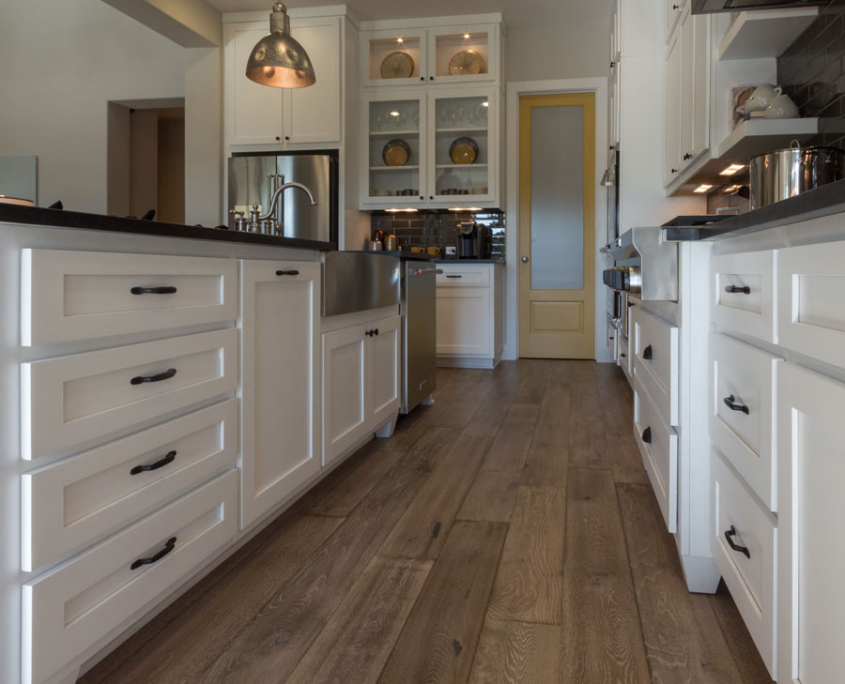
(437, 229)
(812, 72)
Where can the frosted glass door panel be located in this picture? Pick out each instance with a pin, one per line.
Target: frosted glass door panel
(557, 198)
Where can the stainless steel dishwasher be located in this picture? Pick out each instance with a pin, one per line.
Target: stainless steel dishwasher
(419, 354)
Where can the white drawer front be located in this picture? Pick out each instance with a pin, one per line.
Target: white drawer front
(464, 276)
(71, 400)
(744, 293)
(659, 448)
(73, 503)
(655, 364)
(746, 379)
(811, 301)
(83, 295)
(750, 575)
(72, 608)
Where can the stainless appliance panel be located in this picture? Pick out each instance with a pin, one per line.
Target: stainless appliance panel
(419, 320)
(359, 281)
(253, 178)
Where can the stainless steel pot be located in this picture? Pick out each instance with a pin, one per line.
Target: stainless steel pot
(778, 175)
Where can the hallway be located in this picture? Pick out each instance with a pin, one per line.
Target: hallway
(507, 534)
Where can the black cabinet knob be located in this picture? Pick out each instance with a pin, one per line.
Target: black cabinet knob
(422, 78)
(278, 138)
(287, 137)
(647, 353)
(431, 197)
(647, 435)
(431, 78)
(735, 289)
(674, 170)
(421, 197)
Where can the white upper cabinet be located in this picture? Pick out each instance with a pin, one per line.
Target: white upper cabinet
(260, 115)
(673, 12)
(687, 87)
(436, 148)
(456, 54)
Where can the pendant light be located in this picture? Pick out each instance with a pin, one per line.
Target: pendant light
(278, 60)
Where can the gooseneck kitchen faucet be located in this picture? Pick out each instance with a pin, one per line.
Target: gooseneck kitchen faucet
(258, 221)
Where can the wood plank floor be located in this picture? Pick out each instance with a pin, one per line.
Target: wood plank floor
(505, 535)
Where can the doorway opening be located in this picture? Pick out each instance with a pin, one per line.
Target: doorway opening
(557, 226)
(146, 159)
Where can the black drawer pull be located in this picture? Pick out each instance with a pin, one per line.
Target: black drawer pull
(169, 458)
(376, 331)
(736, 289)
(141, 379)
(371, 333)
(647, 353)
(454, 276)
(647, 435)
(729, 535)
(168, 547)
(730, 402)
(290, 273)
(153, 290)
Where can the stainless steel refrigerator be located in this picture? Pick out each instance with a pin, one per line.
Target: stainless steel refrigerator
(254, 177)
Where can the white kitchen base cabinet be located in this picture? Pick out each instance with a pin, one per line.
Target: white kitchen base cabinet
(81, 604)
(811, 554)
(281, 382)
(360, 383)
(469, 314)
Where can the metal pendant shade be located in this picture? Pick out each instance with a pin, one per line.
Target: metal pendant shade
(278, 60)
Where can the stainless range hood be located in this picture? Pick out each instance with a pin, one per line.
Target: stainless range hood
(713, 6)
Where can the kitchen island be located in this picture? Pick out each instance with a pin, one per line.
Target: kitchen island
(163, 400)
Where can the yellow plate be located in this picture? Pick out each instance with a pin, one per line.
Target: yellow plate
(463, 154)
(466, 63)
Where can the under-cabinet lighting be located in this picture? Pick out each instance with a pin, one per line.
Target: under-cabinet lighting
(394, 113)
(402, 211)
(730, 188)
(464, 208)
(732, 169)
(703, 188)
(466, 36)
(400, 40)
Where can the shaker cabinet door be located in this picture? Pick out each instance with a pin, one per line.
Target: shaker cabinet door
(811, 552)
(281, 382)
(253, 111)
(346, 406)
(312, 114)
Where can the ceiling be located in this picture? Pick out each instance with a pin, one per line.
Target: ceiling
(516, 12)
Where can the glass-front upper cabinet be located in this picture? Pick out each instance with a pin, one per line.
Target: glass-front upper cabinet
(463, 54)
(463, 146)
(406, 57)
(395, 150)
(393, 57)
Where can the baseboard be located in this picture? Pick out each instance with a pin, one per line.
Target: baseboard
(701, 573)
(466, 362)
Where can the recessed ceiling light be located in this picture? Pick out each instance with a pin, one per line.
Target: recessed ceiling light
(703, 188)
(400, 40)
(394, 113)
(732, 169)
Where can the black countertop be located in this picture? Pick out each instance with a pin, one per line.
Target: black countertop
(824, 201)
(446, 260)
(60, 218)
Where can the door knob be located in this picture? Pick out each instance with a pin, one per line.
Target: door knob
(525, 260)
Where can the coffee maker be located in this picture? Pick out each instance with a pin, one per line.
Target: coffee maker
(474, 241)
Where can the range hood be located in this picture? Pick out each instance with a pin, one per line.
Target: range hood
(712, 6)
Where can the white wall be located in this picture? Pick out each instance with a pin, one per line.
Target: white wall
(576, 49)
(62, 63)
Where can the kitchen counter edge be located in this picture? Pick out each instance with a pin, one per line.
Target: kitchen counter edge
(60, 218)
(824, 201)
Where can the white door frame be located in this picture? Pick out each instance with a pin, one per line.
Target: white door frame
(515, 90)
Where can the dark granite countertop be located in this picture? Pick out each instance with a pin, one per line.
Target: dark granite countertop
(402, 254)
(60, 218)
(447, 260)
(824, 201)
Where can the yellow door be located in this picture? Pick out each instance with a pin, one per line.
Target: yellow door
(557, 226)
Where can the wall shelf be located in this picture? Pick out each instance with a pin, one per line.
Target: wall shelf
(748, 139)
(394, 168)
(765, 33)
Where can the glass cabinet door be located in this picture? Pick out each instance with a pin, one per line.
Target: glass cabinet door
(463, 54)
(393, 57)
(396, 150)
(463, 149)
